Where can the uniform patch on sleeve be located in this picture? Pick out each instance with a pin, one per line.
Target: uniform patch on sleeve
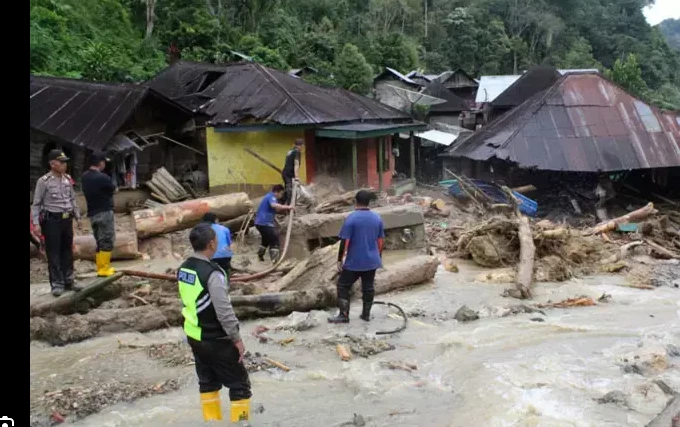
(186, 277)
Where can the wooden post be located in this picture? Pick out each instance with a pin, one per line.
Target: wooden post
(381, 155)
(355, 176)
(413, 155)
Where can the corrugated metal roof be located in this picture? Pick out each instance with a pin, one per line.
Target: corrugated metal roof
(250, 92)
(535, 80)
(492, 86)
(582, 123)
(83, 113)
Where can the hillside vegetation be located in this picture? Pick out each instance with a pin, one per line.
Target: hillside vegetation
(350, 40)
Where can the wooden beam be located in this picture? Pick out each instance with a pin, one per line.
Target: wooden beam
(263, 160)
(182, 145)
(412, 154)
(381, 155)
(355, 174)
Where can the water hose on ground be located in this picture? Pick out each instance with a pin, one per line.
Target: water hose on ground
(403, 315)
(172, 277)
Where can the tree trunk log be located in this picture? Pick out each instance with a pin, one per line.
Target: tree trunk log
(634, 216)
(60, 330)
(182, 215)
(66, 303)
(85, 247)
(527, 249)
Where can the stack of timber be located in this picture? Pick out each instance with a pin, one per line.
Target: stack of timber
(165, 188)
(339, 203)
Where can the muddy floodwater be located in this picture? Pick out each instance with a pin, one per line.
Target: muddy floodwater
(508, 368)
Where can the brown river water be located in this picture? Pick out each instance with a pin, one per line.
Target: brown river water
(496, 371)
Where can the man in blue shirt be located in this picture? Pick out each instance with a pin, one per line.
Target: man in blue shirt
(361, 244)
(264, 222)
(223, 253)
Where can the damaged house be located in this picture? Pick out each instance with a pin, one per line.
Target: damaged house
(139, 128)
(255, 114)
(579, 130)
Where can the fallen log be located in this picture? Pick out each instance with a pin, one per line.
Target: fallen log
(67, 302)
(182, 215)
(665, 253)
(85, 247)
(527, 249)
(669, 417)
(622, 253)
(60, 330)
(634, 216)
(524, 189)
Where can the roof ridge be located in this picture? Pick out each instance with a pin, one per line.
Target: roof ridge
(119, 85)
(265, 71)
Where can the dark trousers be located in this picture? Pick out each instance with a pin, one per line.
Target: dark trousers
(270, 237)
(349, 277)
(58, 232)
(104, 230)
(217, 365)
(225, 263)
(288, 184)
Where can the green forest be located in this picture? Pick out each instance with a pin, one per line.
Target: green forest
(349, 41)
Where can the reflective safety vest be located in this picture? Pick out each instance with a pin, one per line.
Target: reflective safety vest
(200, 318)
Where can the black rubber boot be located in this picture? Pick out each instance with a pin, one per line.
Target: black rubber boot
(343, 314)
(366, 311)
(274, 254)
(58, 291)
(260, 253)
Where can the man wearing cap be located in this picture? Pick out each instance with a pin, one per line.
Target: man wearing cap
(54, 208)
(291, 170)
(98, 189)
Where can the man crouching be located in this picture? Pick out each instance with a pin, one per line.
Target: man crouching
(212, 329)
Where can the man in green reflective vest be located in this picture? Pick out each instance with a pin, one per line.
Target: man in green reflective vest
(212, 329)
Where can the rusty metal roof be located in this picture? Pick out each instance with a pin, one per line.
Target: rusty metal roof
(249, 92)
(83, 113)
(583, 122)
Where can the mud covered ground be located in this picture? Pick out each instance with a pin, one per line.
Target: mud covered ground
(514, 364)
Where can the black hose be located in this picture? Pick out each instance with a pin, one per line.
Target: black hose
(403, 315)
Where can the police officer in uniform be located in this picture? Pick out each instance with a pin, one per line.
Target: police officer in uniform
(54, 208)
(212, 329)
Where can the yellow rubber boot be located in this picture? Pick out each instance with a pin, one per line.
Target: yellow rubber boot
(240, 410)
(212, 409)
(98, 261)
(105, 270)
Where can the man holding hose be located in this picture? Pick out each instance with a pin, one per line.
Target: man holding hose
(264, 222)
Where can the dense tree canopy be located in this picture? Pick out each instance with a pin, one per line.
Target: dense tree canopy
(349, 41)
(670, 28)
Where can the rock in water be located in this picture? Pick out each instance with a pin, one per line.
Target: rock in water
(465, 314)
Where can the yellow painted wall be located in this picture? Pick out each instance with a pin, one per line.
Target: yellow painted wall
(232, 168)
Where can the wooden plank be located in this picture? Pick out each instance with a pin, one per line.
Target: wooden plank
(412, 154)
(381, 155)
(355, 173)
(263, 160)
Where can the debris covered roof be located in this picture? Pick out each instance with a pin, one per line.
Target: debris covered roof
(249, 92)
(391, 72)
(79, 112)
(85, 113)
(582, 123)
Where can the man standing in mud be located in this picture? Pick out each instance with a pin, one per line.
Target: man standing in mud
(291, 169)
(98, 189)
(53, 210)
(212, 329)
(361, 245)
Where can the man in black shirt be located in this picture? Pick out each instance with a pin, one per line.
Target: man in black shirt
(98, 189)
(291, 169)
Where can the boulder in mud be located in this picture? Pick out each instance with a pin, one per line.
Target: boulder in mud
(466, 314)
